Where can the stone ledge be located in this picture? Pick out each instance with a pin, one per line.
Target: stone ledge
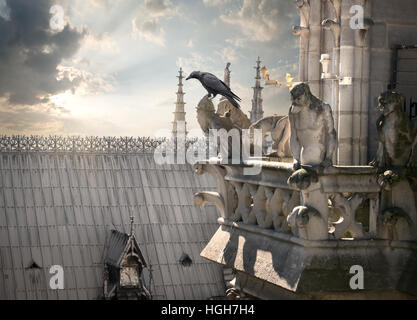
(302, 266)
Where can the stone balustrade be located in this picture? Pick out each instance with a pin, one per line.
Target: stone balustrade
(289, 234)
(338, 202)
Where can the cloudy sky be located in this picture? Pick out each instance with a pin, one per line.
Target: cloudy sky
(109, 67)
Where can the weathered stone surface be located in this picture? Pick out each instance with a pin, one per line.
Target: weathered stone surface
(396, 133)
(279, 128)
(238, 118)
(269, 262)
(313, 137)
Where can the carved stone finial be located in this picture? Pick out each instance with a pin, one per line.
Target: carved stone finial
(132, 219)
(362, 32)
(307, 223)
(227, 75)
(299, 30)
(302, 178)
(299, 3)
(304, 7)
(334, 27)
(337, 5)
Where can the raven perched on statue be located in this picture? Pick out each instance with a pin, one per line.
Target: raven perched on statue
(215, 86)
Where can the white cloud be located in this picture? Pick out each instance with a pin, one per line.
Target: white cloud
(102, 42)
(147, 25)
(237, 42)
(228, 54)
(215, 3)
(194, 62)
(86, 82)
(160, 8)
(149, 30)
(262, 20)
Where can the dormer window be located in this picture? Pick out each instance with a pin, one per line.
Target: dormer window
(130, 272)
(123, 268)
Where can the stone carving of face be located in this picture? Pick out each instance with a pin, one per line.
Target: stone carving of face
(389, 101)
(300, 97)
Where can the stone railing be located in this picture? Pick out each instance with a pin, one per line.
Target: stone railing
(92, 144)
(337, 202)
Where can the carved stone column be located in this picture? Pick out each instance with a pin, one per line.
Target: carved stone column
(353, 110)
(304, 33)
(346, 93)
(314, 50)
(362, 63)
(335, 28)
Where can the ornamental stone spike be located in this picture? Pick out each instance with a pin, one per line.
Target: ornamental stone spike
(179, 125)
(257, 109)
(226, 79)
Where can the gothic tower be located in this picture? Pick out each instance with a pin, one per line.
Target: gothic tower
(257, 111)
(179, 128)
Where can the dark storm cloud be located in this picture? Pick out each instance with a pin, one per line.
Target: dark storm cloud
(30, 53)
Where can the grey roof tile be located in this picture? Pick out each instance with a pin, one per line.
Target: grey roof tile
(4, 236)
(2, 203)
(47, 260)
(53, 235)
(6, 257)
(70, 219)
(43, 236)
(166, 198)
(14, 237)
(162, 255)
(8, 194)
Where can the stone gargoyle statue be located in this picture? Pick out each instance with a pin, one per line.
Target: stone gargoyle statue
(209, 119)
(279, 127)
(237, 116)
(313, 137)
(396, 134)
(312, 143)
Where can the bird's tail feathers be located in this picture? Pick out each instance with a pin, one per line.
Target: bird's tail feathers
(235, 96)
(233, 102)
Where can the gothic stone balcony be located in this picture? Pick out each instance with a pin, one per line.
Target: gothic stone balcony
(299, 239)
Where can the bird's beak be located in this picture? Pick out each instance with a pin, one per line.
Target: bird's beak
(188, 78)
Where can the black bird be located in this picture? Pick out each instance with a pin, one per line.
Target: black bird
(215, 86)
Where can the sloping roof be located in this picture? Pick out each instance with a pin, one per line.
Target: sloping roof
(57, 208)
(116, 247)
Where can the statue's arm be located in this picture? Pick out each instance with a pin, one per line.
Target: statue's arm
(331, 132)
(294, 143)
(379, 160)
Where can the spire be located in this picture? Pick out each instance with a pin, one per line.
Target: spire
(179, 127)
(226, 78)
(227, 74)
(257, 110)
(132, 219)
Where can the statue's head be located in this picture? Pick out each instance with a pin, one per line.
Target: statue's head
(206, 105)
(300, 97)
(389, 102)
(194, 75)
